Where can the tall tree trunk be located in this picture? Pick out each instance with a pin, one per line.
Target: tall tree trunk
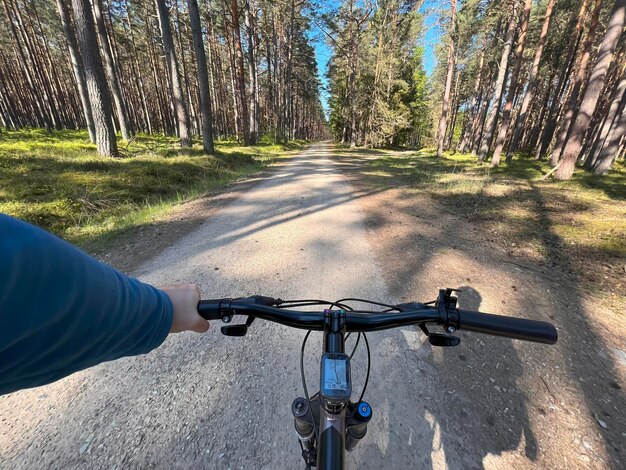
(180, 106)
(77, 67)
(508, 107)
(109, 66)
(289, 69)
(492, 120)
(475, 106)
(532, 81)
(269, 118)
(252, 76)
(137, 73)
(550, 127)
(9, 114)
(455, 109)
(277, 75)
(234, 94)
(443, 121)
(481, 117)
(203, 77)
(533, 136)
(610, 150)
(579, 81)
(617, 101)
(187, 81)
(94, 74)
(40, 72)
(157, 76)
(241, 81)
(64, 106)
(41, 110)
(592, 93)
(233, 87)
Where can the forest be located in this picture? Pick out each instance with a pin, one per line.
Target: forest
(514, 79)
(184, 69)
(541, 80)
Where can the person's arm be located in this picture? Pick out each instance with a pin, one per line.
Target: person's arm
(62, 311)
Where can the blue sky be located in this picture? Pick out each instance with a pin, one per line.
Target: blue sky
(433, 33)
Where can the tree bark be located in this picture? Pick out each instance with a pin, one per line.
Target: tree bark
(77, 67)
(618, 100)
(443, 121)
(241, 81)
(136, 69)
(252, 76)
(40, 72)
(475, 105)
(481, 117)
(592, 93)
(455, 109)
(492, 120)
(186, 80)
(508, 107)
(180, 106)
(579, 81)
(41, 110)
(159, 86)
(532, 80)
(611, 148)
(203, 77)
(109, 66)
(94, 75)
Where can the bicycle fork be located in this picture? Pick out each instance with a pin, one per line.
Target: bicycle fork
(306, 414)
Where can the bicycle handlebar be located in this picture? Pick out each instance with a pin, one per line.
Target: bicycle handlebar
(411, 314)
(509, 327)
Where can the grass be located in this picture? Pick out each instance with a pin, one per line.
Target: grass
(56, 180)
(578, 225)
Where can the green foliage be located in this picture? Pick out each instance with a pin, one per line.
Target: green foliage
(420, 102)
(377, 80)
(56, 181)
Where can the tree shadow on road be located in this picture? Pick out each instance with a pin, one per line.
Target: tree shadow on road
(425, 245)
(482, 409)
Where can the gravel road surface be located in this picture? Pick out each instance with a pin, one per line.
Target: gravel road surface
(210, 401)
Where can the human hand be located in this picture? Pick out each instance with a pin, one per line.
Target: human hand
(185, 298)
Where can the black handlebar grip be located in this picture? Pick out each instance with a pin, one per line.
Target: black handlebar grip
(509, 327)
(210, 309)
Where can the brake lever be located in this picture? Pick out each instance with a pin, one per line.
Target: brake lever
(237, 330)
(446, 304)
(440, 340)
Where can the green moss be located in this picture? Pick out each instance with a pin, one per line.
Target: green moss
(56, 180)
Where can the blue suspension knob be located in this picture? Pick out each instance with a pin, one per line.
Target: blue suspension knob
(364, 409)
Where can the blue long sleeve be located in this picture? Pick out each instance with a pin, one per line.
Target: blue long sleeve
(62, 311)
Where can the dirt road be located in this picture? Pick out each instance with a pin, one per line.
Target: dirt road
(209, 401)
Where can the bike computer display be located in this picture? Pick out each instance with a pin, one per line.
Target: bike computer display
(335, 383)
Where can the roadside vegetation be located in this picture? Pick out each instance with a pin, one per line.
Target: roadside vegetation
(56, 180)
(577, 225)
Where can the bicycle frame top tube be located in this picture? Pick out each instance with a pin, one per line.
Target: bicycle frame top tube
(332, 430)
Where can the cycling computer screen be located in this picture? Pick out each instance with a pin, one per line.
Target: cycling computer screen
(335, 384)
